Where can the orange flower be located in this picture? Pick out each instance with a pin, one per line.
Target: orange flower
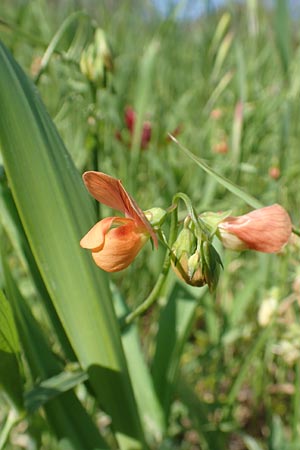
(115, 241)
(265, 230)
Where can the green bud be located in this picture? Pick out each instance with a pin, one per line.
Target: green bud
(184, 244)
(96, 59)
(195, 262)
(156, 216)
(211, 265)
(186, 261)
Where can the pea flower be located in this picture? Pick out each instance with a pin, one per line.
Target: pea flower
(265, 230)
(115, 241)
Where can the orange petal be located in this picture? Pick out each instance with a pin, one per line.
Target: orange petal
(110, 192)
(121, 246)
(94, 239)
(266, 230)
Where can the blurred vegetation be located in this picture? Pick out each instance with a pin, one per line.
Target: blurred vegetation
(227, 84)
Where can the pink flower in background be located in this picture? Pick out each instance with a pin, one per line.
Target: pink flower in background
(130, 120)
(265, 230)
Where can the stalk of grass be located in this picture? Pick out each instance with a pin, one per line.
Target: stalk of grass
(142, 101)
(283, 34)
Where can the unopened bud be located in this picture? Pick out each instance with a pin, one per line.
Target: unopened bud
(96, 59)
(183, 256)
(211, 265)
(156, 216)
(195, 267)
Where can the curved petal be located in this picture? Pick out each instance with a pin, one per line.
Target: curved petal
(110, 192)
(121, 246)
(95, 237)
(266, 230)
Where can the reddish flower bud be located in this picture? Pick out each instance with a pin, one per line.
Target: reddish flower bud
(274, 172)
(265, 230)
(146, 134)
(130, 121)
(221, 147)
(129, 118)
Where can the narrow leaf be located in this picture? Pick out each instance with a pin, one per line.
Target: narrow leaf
(10, 376)
(219, 178)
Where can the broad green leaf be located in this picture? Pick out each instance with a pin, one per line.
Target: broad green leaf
(70, 422)
(56, 212)
(9, 225)
(10, 376)
(13, 228)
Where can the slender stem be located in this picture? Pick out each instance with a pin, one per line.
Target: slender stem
(154, 294)
(12, 419)
(95, 136)
(200, 225)
(296, 231)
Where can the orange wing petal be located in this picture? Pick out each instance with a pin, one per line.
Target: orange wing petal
(110, 192)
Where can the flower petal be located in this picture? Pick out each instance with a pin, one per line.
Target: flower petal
(121, 246)
(266, 230)
(110, 192)
(94, 239)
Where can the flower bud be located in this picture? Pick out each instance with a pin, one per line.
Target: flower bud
(211, 265)
(195, 267)
(96, 59)
(156, 216)
(265, 230)
(183, 249)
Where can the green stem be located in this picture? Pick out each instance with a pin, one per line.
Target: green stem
(200, 226)
(296, 231)
(154, 294)
(95, 136)
(12, 419)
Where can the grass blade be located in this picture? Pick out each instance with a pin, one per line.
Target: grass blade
(219, 178)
